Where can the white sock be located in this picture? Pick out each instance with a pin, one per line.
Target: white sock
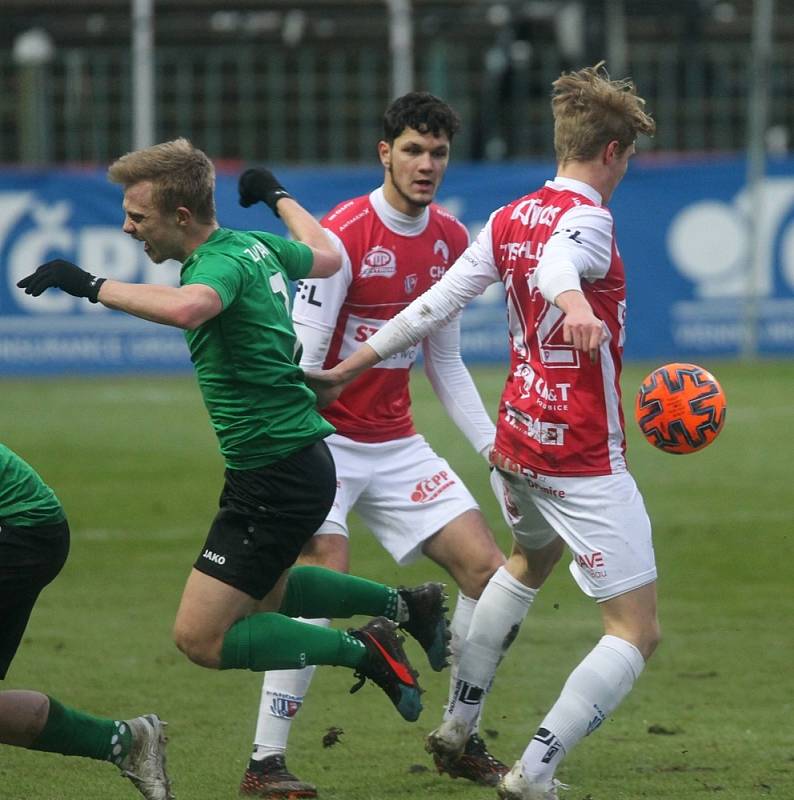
(459, 628)
(282, 696)
(592, 692)
(494, 625)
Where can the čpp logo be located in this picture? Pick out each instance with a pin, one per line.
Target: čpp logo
(710, 242)
(33, 231)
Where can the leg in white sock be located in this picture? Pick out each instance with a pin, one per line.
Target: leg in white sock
(459, 628)
(282, 696)
(592, 692)
(497, 618)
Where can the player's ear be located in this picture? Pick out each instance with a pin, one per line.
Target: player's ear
(183, 215)
(384, 153)
(611, 151)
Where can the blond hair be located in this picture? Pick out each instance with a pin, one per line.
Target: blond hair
(590, 110)
(180, 173)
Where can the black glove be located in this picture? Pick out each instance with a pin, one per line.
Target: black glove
(260, 184)
(64, 275)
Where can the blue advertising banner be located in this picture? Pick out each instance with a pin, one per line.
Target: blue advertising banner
(685, 230)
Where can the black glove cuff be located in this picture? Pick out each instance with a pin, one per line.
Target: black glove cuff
(273, 198)
(92, 290)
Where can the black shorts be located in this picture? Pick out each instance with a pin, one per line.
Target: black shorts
(266, 516)
(29, 559)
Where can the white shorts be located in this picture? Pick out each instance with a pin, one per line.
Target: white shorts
(602, 520)
(403, 492)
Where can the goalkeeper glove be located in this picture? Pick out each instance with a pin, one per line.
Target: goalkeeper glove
(258, 184)
(63, 275)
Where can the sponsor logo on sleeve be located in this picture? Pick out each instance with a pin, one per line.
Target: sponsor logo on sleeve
(308, 292)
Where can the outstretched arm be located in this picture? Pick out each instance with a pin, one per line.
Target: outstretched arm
(260, 184)
(185, 307)
(328, 384)
(468, 277)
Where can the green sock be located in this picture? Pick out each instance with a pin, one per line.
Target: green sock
(272, 641)
(319, 592)
(74, 733)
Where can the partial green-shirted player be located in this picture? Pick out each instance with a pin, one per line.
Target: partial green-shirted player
(34, 545)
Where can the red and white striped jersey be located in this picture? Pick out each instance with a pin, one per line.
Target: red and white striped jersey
(559, 413)
(384, 269)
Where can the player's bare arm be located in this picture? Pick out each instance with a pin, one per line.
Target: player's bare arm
(305, 228)
(184, 307)
(581, 327)
(261, 185)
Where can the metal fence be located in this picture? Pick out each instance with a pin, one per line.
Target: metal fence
(323, 103)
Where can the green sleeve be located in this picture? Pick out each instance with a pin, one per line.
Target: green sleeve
(297, 258)
(220, 273)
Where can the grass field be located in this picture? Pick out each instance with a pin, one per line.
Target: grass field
(135, 464)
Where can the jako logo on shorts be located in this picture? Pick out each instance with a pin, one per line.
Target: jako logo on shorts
(218, 559)
(430, 488)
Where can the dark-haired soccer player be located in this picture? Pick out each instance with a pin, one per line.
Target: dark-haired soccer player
(395, 243)
(34, 544)
(559, 454)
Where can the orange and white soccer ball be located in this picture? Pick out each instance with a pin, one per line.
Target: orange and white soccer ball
(680, 408)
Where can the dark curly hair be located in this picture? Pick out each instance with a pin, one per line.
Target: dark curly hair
(421, 111)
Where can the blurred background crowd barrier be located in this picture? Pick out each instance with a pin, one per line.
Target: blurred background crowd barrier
(308, 81)
(705, 217)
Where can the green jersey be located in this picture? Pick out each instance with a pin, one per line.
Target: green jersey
(25, 500)
(246, 358)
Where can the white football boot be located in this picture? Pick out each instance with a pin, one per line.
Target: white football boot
(145, 763)
(514, 786)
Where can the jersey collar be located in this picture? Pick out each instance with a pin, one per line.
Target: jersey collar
(580, 187)
(395, 220)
